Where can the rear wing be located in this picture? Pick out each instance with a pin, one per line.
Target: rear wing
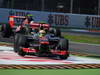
(36, 25)
(32, 25)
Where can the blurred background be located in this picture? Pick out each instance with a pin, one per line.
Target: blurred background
(65, 6)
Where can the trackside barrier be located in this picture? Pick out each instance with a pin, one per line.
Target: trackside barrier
(63, 20)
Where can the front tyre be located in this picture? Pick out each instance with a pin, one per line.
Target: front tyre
(20, 42)
(64, 46)
(16, 43)
(21, 52)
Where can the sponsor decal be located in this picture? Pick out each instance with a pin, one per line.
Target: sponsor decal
(92, 22)
(57, 19)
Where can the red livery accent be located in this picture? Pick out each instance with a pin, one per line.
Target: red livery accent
(63, 52)
(44, 43)
(36, 25)
(11, 21)
(28, 50)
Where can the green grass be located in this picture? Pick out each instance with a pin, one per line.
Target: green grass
(83, 39)
(50, 72)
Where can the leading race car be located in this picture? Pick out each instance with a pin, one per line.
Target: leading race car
(41, 40)
(41, 44)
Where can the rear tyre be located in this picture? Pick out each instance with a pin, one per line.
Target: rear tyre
(6, 31)
(56, 32)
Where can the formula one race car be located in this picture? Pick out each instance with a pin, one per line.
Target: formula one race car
(11, 28)
(8, 29)
(42, 44)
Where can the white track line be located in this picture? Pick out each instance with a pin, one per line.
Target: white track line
(6, 48)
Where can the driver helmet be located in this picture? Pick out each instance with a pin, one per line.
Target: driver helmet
(42, 32)
(29, 17)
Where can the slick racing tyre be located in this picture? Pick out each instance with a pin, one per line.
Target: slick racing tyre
(19, 43)
(16, 45)
(6, 31)
(22, 40)
(64, 45)
(21, 52)
(56, 32)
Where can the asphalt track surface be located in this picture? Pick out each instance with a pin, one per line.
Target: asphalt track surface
(73, 46)
(84, 47)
